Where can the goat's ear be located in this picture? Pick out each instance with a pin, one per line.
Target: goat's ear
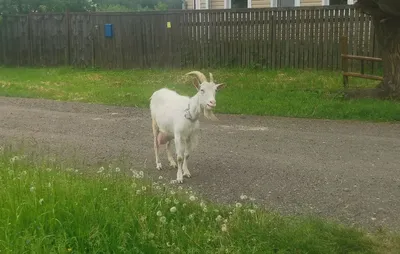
(196, 83)
(220, 86)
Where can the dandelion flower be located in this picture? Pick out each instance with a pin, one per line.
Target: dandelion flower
(192, 198)
(163, 219)
(173, 209)
(159, 213)
(224, 228)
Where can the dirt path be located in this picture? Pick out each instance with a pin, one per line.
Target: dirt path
(338, 169)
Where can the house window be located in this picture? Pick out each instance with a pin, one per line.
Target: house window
(337, 2)
(285, 3)
(236, 4)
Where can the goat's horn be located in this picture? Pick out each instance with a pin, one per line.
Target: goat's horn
(199, 75)
(211, 77)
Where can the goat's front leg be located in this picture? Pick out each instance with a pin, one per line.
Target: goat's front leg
(171, 160)
(180, 149)
(186, 172)
(156, 143)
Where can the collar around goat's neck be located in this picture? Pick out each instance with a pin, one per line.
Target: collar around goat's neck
(192, 112)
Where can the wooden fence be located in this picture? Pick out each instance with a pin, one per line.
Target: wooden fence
(301, 37)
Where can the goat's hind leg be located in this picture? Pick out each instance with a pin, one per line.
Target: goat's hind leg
(180, 149)
(156, 131)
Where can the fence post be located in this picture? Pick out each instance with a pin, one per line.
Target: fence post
(345, 61)
(68, 53)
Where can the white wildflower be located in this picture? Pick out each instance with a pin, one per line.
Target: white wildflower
(160, 178)
(252, 211)
(192, 198)
(224, 228)
(101, 169)
(172, 192)
(238, 205)
(167, 200)
(163, 219)
(202, 204)
(173, 209)
(138, 192)
(76, 171)
(219, 218)
(176, 201)
(191, 216)
(105, 189)
(252, 199)
(205, 209)
(41, 201)
(243, 197)
(144, 188)
(134, 185)
(159, 213)
(117, 169)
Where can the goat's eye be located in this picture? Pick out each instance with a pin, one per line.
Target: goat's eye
(202, 90)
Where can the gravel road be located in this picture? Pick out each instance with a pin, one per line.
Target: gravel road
(345, 170)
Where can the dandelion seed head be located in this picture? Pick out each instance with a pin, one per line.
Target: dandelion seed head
(134, 185)
(144, 188)
(117, 169)
(224, 228)
(176, 201)
(192, 198)
(243, 197)
(160, 178)
(172, 209)
(159, 213)
(163, 219)
(238, 205)
(167, 200)
(138, 192)
(219, 218)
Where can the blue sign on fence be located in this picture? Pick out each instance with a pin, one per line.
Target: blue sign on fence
(108, 30)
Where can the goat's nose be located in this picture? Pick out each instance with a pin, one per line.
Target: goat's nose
(213, 102)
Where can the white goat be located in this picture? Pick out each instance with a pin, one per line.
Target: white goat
(176, 117)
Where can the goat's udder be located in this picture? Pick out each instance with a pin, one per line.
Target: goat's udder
(163, 138)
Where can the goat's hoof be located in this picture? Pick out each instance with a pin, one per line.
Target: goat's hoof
(188, 175)
(159, 167)
(176, 181)
(172, 164)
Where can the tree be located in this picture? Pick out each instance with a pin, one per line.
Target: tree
(386, 19)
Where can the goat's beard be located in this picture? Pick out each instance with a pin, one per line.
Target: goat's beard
(209, 114)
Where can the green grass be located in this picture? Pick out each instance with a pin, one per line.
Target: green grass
(293, 93)
(49, 209)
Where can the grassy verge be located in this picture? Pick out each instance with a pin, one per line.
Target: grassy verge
(294, 93)
(47, 209)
